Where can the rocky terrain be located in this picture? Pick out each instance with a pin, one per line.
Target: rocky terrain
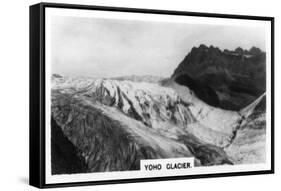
(111, 124)
(223, 78)
(65, 156)
(249, 141)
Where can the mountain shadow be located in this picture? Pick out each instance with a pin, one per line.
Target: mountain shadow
(65, 158)
(202, 91)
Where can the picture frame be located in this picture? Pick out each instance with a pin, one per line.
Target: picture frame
(60, 34)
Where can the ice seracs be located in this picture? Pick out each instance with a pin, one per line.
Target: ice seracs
(151, 121)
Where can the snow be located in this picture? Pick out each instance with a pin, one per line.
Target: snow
(161, 114)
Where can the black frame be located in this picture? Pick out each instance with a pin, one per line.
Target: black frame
(37, 94)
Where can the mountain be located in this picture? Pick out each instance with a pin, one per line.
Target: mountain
(249, 142)
(65, 156)
(226, 79)
(113, 124)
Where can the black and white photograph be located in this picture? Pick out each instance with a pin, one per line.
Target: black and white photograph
(133, 95)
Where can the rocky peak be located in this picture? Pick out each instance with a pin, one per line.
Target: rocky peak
(239, 51)
(255, 51)
(202, 47)
(229, 73)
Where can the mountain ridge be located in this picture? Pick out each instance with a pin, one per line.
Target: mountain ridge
(237, 77)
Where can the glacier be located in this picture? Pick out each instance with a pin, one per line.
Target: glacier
(114, 123)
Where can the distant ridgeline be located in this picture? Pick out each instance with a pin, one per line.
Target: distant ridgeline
(228, 79)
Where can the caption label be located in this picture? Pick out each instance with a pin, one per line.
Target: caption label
(167, 164)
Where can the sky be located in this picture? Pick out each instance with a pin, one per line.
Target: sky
(99, 47)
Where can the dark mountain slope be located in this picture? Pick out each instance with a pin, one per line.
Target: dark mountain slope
(237, 77)
(202, 91)
(64, 155)
(104, 143)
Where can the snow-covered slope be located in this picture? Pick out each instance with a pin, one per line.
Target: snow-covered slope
(249, 143)
(213, 125)
(143, 120)
(146, 102)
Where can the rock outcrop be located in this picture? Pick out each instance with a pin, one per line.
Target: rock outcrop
(237, 77)
(66, 158)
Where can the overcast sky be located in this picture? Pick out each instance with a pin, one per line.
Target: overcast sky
(108, 48)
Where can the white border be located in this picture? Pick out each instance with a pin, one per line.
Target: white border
(50, 12)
